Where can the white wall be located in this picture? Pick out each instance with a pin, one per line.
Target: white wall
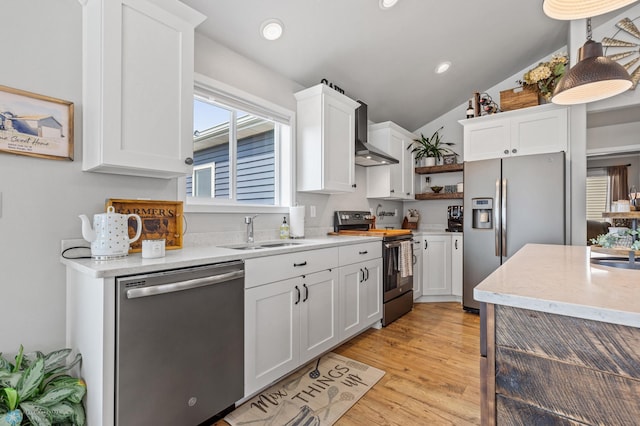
(41, 199)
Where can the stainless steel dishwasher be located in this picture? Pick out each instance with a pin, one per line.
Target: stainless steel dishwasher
(179, 344)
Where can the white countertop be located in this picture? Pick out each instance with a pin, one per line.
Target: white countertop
(195, 256)
(562, 280)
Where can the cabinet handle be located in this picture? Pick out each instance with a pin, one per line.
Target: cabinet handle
(188, 161)
(367, 271)
(514, 150)
(392, 191)
(506, 151)
(362, 279)
(456, 244)
(426, 244)
(363, 252)
(300, 264)
(298, 296)
(306, 292)
(408, 193)
(415, 259)
(354, 186)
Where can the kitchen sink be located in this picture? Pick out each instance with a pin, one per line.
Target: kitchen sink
(264, 245)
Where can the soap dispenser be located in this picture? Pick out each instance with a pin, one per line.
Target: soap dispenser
(284, 229)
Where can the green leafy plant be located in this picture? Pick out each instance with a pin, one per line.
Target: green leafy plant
(430, 147)
(35, 391)
(621, 239)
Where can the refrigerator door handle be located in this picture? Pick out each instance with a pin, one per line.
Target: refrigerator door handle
(496, 218)
(503, 207)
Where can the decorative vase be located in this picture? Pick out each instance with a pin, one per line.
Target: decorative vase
(429, 161)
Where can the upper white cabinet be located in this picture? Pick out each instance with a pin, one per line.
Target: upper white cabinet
(527, 131)
(325, 141)
(394, 181)
(138, 87)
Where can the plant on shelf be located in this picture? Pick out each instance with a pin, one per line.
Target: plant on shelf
(432, 147)
(35, 390)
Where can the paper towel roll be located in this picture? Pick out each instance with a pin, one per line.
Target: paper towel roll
(296, 222)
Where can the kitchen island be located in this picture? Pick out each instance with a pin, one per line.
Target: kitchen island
(560, 340)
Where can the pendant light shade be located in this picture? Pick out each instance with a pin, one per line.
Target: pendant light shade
(580, 9)
(593, 78)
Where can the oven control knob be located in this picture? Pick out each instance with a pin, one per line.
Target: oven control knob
(345, 216)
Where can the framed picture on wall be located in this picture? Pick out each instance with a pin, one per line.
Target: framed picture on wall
(35, 125)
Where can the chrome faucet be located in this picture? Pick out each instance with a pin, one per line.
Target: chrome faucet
(249, 221)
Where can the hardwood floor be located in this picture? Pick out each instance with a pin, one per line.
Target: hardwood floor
(431, 359)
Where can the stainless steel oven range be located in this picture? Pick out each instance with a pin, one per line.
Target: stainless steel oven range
(397, 260)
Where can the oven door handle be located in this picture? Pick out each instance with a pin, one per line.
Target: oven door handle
(392, 245)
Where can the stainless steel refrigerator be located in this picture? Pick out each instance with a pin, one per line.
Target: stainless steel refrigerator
(508, 203)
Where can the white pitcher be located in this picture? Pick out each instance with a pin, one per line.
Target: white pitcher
(109, 237)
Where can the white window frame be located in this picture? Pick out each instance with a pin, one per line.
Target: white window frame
(230, 96)
(212, 167)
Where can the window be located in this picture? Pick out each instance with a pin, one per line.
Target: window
(241, 150)
(597, 192)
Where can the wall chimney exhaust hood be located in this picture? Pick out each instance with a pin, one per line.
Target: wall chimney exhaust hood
(366, 154)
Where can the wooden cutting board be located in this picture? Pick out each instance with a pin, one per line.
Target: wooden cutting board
(373, 232)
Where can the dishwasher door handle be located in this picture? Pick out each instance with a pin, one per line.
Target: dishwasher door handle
(135, 293)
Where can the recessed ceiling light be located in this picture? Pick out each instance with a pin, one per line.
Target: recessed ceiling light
(443, 67)
(387, 4)
(271, 29)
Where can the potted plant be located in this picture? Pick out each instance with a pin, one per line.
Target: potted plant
(431, 149)
(35, 390)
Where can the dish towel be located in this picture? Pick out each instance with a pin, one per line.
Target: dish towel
(406, 258)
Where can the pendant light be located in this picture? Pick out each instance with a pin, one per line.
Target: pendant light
(593, 78)
(580, 9)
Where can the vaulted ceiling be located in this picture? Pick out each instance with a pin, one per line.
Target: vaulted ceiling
(387, 58)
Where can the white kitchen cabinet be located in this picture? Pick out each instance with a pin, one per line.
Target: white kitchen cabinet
(417, 266)
(535, 130)
(138, 87)
(360, 276)
(456, 264)
(325, 141)
(436, 265)
(288, 323)
(394, 181)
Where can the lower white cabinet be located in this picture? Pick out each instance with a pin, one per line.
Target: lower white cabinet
(288, 323)
(360, 296)
(456, 264)
(441, 265)
(436, 265)
(301, 304)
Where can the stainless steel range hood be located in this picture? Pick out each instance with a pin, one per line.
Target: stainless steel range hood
(366, 154)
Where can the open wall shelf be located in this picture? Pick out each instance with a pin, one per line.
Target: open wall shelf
(446, 168)
(440, 196)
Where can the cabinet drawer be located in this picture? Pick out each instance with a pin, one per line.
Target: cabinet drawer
(263, 270)
(360, 252)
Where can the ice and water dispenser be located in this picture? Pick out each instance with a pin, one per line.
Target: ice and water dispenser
(482, 213)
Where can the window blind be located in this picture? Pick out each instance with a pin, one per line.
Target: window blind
(596, 197)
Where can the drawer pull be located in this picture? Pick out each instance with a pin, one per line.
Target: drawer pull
(300, 264)
(363, 252)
